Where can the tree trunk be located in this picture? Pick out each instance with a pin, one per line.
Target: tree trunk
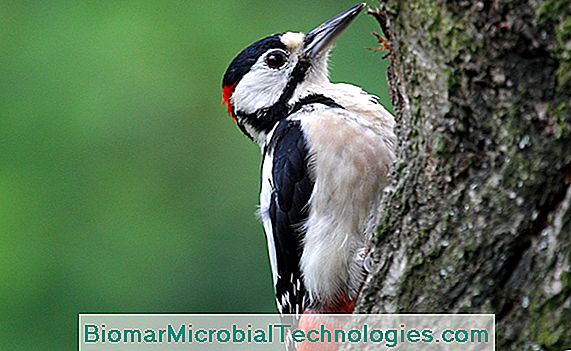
(477, 217)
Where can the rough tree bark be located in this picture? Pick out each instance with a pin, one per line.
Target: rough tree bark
(478, 215)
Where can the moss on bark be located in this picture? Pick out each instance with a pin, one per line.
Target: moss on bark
(477, 218)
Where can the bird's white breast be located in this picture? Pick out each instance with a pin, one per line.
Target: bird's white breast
(351, 150)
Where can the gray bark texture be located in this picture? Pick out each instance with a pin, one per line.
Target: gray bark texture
(477, 217)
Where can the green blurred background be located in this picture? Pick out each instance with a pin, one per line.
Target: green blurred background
(124, 187)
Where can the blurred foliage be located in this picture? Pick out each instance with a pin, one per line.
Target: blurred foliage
(124, 187)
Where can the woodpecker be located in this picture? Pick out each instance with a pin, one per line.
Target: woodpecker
(326, 152)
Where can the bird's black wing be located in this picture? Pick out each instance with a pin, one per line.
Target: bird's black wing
(291, 189)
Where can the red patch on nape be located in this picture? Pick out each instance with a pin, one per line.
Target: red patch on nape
(227, 92)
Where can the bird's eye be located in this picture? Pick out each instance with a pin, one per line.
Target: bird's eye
(276, 59)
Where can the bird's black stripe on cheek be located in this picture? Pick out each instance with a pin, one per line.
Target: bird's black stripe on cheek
(263, 121)
(297, 76)
(243, 129)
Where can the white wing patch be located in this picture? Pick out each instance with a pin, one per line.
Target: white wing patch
(265, 199)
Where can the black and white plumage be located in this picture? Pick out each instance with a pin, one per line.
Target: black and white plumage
(285, 195)
(326, 151)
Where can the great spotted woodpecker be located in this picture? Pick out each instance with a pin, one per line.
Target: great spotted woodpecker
(326, 152)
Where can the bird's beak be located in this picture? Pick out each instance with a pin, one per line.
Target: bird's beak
(322, 37)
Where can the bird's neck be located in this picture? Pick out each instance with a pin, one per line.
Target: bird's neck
(258, 125)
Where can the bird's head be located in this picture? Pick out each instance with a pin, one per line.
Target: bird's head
(262, 83)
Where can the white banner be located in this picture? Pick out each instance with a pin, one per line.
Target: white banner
(174, 332)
